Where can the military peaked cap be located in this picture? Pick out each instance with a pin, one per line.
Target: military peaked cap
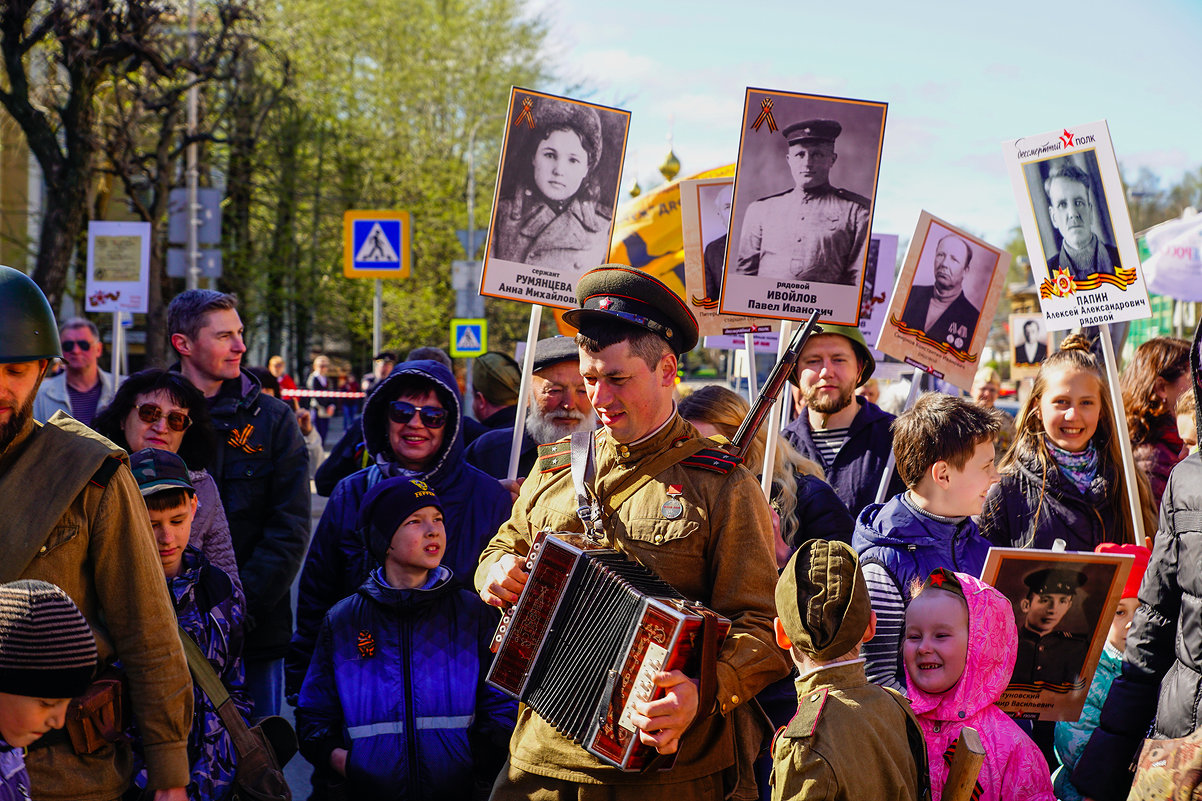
(614, 292)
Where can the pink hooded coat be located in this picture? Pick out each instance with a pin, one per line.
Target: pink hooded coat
(1014, 769)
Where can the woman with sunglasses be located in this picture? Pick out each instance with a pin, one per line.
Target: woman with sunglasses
(162, 409)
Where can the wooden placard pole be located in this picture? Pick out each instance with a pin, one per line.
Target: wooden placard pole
(774, 415)
(1120, 431)
(966, 766)
(519, 423)
(883, 490)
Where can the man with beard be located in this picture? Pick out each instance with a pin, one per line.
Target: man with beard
(73, 516)
(840, 430)
(559, 407)
(943, 312)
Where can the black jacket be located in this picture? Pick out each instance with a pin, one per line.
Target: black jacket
(262, 474)
(1162, 666)
(1025, 511)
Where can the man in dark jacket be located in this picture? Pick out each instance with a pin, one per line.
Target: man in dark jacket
(844, 433)
(412, 425)
(262, 472)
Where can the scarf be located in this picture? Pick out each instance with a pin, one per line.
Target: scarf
(1080, 468)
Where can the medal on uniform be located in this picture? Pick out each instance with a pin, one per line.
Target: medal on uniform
(673, 508)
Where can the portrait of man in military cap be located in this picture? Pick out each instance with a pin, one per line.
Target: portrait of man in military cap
(802, 213)
(813, 231)
(1063, 604)
(1046, 651)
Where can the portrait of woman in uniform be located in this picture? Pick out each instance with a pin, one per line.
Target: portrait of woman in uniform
(557, 185)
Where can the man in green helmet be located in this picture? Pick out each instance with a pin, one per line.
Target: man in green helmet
(73, 516)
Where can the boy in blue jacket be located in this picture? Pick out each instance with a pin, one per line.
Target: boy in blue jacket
(944, 451)
(394, 703)
(207, 608)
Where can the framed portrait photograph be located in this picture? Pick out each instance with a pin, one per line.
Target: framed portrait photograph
(1076, 227)
(705, 219)
(879, 276)
(1030, 344)
(944, 300)
(1064, 603)
(802, 210)
(557, 188)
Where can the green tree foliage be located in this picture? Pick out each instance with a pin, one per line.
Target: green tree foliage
(383, 102)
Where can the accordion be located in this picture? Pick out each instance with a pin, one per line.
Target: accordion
(590, 629)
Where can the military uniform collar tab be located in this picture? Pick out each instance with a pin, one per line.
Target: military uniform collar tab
(658, 440)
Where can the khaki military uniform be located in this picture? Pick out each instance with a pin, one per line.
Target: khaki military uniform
(848, 741)
(815, 234)
(716, 549)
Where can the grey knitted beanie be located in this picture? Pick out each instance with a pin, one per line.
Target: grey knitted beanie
(47, 649)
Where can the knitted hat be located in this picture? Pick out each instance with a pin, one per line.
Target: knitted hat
(386, 505)
(497, 377)
(1138, 568)
(46, 647)
(158, 470)
(822, 600)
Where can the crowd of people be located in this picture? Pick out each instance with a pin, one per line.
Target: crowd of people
(173, 508)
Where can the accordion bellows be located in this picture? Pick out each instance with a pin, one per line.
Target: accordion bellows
(587, 633)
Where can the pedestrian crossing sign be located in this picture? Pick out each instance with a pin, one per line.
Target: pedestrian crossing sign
(469, 337)
(375, 244)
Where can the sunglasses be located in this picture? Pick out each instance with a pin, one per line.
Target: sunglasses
(70, 345)
(402, 412)
(150, 413)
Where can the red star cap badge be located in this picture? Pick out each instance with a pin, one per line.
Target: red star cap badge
(605, 303)
(937, 579)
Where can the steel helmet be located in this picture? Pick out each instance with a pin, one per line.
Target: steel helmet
(28, 332)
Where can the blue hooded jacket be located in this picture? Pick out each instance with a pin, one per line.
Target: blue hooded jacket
(397, 678)
(910, 545)
(474, 506)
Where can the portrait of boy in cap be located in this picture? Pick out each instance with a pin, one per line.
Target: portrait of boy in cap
(843, 721)
(1046, 653)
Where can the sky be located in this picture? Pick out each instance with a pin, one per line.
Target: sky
(959, 79)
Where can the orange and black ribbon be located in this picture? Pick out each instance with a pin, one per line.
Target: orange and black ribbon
(765, 116)
(527, 105)
(961, 356)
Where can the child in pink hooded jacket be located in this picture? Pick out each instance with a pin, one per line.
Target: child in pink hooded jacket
(959, 650)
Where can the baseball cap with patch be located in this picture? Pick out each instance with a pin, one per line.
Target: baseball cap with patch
(157, 470)
(615, 292)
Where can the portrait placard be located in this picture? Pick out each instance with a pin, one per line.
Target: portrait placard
(803, 201)
(704, 219)
(1063, 604)
(118, 266)
(1075, 223)
(944, 300)
(1030, 344)
(878, 288)
(557, 188)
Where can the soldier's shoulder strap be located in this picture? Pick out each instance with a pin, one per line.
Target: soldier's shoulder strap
(713, 459)
(847, 194)
(554, 456)
(809, 710)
